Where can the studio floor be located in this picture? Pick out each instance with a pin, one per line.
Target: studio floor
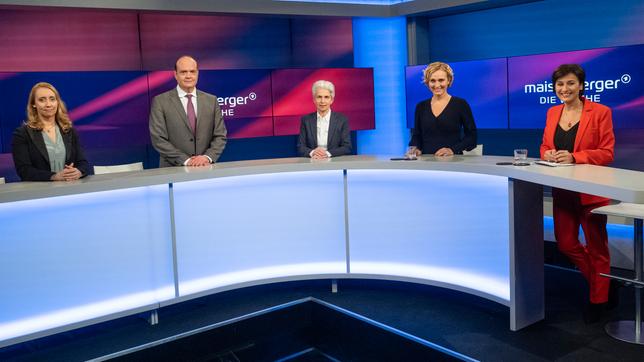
(467, 324)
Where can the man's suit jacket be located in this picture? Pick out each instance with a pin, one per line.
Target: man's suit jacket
(338, 142)
(171, 134)
(30, 154)
(595, 141)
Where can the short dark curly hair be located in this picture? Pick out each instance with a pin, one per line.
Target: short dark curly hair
(574, 69)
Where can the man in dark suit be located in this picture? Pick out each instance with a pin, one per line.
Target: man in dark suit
(324, 134)
(186, 125)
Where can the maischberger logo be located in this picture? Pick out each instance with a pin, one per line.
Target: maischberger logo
(228, 104)
(592, 89)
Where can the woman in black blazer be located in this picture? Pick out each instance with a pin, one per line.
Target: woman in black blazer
(46, 147)
(443, 124)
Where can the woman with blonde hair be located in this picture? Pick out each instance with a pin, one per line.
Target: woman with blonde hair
(46, 147)
(443, 124)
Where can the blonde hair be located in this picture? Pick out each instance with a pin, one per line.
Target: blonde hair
(33, 121)
(436, 66)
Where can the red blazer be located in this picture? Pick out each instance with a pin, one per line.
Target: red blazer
(595, 141)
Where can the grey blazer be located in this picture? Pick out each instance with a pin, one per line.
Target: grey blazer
(339, 142)
(171, 134)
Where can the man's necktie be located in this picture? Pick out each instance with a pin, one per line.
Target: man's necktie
(192, 117)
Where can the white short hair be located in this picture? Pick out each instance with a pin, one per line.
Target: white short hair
(324, 84)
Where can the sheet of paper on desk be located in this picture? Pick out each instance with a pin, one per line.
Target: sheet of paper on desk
(552, 164)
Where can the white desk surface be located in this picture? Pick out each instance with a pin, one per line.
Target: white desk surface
(624, 209)
(618, 184)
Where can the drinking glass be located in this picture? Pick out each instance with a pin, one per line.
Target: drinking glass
(520, 156)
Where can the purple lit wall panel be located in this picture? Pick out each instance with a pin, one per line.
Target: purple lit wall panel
(292, 96)
(613, 75)
(482, 83)
(7, 170)
(64, 40)
(221, 42)
(322, 42)
(3, 121)
(244, 97)
(110, 109)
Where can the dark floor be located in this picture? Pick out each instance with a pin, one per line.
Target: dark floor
(464, 323)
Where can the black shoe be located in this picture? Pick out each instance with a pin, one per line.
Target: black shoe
(613, 294)
(593, 312)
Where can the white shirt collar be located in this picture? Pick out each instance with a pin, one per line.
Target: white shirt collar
(327, 116)
(183, 93)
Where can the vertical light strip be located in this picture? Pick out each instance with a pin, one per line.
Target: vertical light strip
(346, 220)
(381, 44)
(173, 231)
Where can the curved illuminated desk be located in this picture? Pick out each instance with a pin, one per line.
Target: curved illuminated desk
(112, 245)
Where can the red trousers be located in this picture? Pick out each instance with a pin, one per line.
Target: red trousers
(593, 258)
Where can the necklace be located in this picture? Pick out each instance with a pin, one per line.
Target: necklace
(571, 116)
(50, 129)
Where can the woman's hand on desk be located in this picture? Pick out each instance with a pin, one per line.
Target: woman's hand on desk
(69, 173)
(564, 156)
(445, 151)
(549, 155)
(561, 156)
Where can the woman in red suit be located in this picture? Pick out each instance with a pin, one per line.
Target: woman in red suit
(580, 131)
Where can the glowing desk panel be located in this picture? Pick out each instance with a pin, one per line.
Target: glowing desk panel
(402, 223)
(74, 258)
(243, 229)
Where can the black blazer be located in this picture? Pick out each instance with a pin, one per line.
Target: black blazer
(339, 141)
(30, 154)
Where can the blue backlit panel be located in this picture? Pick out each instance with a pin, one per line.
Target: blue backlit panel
(381, 44)
(482, 83)
(250, 228)
(447, 227)
(73, 258)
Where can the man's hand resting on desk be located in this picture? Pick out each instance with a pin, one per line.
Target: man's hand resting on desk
(199, 160)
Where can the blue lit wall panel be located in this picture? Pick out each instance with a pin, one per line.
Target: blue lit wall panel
(456, 224)
(83, 256)
(535, 28)
(482, 83)
(239, 229)
(381, 44)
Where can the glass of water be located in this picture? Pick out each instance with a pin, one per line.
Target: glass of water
(520, 156)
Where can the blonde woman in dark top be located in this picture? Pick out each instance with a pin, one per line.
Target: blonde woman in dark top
(443, 124)
(46, 147)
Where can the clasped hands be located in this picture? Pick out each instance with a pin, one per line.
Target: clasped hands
(69, 173)
(319, 153)
(561, 156)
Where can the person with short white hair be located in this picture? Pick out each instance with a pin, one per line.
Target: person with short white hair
(323, 133)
